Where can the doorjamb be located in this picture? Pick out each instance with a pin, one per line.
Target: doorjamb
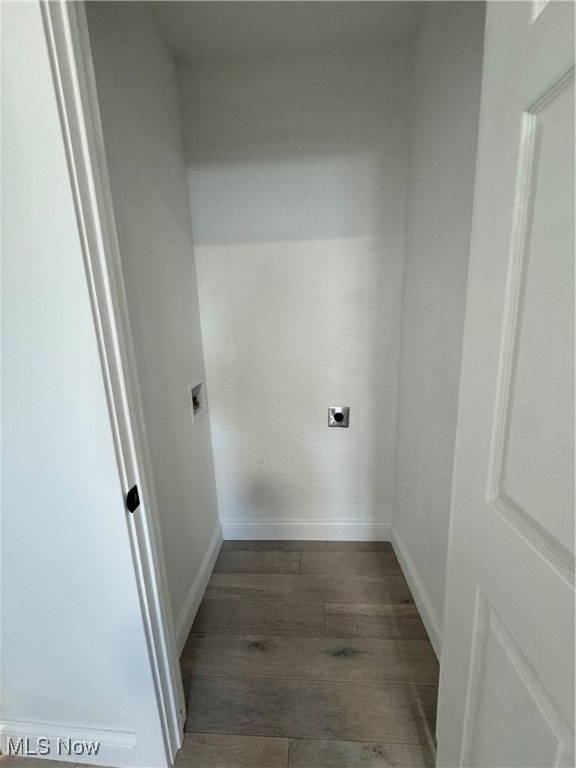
(75, 84)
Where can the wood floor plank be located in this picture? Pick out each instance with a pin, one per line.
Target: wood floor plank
(313, 753)
(307, 546)
(213, 750)
(244, 617)
(348, 563)
(322, 710)
(391, 588)
(312, 658)
(373, 620)
(273, 561)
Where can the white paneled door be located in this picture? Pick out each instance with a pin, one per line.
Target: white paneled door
(507, 668)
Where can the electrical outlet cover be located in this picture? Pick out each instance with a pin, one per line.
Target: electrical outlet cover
(338, 416)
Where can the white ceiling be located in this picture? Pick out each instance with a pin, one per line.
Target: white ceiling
(206, 30)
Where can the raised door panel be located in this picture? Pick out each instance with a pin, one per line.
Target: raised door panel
(512, 720)
(538, 460)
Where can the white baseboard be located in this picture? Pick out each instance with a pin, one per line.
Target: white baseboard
(53, 741)
(419, 592)
(191, 604)
(306, 530)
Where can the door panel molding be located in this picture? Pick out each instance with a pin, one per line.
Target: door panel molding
(531, 130)
(488, 622)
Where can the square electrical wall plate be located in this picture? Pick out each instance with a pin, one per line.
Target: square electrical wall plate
(338, 416)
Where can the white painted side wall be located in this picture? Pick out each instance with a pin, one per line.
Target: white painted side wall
(74, 659)
(297, 180)
(443, 136)
(142, 129)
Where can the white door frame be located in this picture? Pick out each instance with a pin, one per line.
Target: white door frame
(71, 59)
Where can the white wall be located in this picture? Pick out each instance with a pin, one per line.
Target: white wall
(74, 659)
(444, 116)
(297, 179)
(144, 147)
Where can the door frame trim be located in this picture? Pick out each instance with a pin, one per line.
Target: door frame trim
(70, 53)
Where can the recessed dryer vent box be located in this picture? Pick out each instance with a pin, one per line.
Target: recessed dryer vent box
(198, 400)
(338, 416)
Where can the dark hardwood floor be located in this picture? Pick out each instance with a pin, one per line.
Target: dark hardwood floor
(308, 655)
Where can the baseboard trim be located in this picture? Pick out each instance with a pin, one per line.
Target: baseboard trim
(419, 592)
(66, 743)
(192, 602)
(305, 530)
